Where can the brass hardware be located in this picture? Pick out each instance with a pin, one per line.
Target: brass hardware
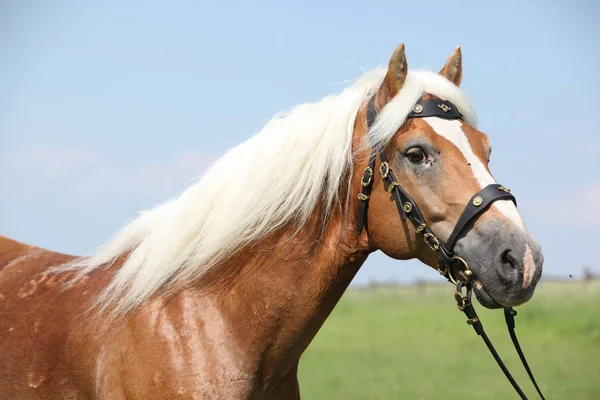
(370, 172)
(362, 196)
(444, 107)
(418, 109)
(384, 169)
(472, 321)
(421, 228)
(463, 300)
(407, 207)
(436, 243)
(392, 186)
(477, 201)
(442, 271)
(459, 111)
(466, 271)
(504, 189)
(450, 276)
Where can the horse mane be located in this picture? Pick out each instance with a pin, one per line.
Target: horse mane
(295, 165)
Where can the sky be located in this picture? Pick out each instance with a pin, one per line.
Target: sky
(107, 108)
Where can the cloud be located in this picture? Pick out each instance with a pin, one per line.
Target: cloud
(81, 172)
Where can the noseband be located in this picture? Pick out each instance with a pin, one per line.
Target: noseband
(451, 266)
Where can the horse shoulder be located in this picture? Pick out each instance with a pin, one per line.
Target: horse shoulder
(174, 347)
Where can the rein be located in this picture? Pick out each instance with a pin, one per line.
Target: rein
(449, 264)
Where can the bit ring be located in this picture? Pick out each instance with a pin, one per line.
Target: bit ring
(466, 271)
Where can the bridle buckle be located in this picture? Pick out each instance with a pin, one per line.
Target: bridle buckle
(384, 169)
(461, 301)
(434, 244)
(367, 177)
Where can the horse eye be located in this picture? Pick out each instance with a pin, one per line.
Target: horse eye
(415, 155)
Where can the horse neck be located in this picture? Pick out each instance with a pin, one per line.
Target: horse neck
(286, 286)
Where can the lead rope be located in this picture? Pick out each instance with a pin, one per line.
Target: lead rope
(509, 316)
(464, 304)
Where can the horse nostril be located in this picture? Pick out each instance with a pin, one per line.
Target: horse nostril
(508, 258)
(507, 270)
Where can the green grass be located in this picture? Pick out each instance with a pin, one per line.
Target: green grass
(399, 343)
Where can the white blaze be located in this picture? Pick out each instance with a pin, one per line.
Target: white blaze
(452, 131)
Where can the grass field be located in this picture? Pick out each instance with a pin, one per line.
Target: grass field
(397, 343)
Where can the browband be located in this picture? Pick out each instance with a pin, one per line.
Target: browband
(435, 108)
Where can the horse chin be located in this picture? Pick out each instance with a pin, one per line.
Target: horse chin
(483, 297)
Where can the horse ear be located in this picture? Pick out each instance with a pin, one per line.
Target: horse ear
(453, 68)
(396, 73)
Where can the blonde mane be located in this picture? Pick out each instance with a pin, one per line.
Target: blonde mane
(297, 162)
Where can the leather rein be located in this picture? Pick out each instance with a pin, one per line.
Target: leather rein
(451, 266)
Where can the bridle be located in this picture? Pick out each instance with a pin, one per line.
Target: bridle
(451, 266)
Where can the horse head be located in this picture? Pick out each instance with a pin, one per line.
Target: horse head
(440, 161)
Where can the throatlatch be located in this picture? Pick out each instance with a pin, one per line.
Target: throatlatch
(454, 268)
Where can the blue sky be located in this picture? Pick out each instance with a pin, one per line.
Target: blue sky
(110, 107)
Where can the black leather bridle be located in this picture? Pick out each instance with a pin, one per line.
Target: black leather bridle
(454, 268)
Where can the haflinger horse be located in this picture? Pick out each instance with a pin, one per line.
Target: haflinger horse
(218, 292)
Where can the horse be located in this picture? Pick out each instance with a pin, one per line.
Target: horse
(218, 292)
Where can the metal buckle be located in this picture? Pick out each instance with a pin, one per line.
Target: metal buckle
(436, 243)
(368, 171)
(384, 169)
(363, 197)
(391, 186)
(461, 301)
